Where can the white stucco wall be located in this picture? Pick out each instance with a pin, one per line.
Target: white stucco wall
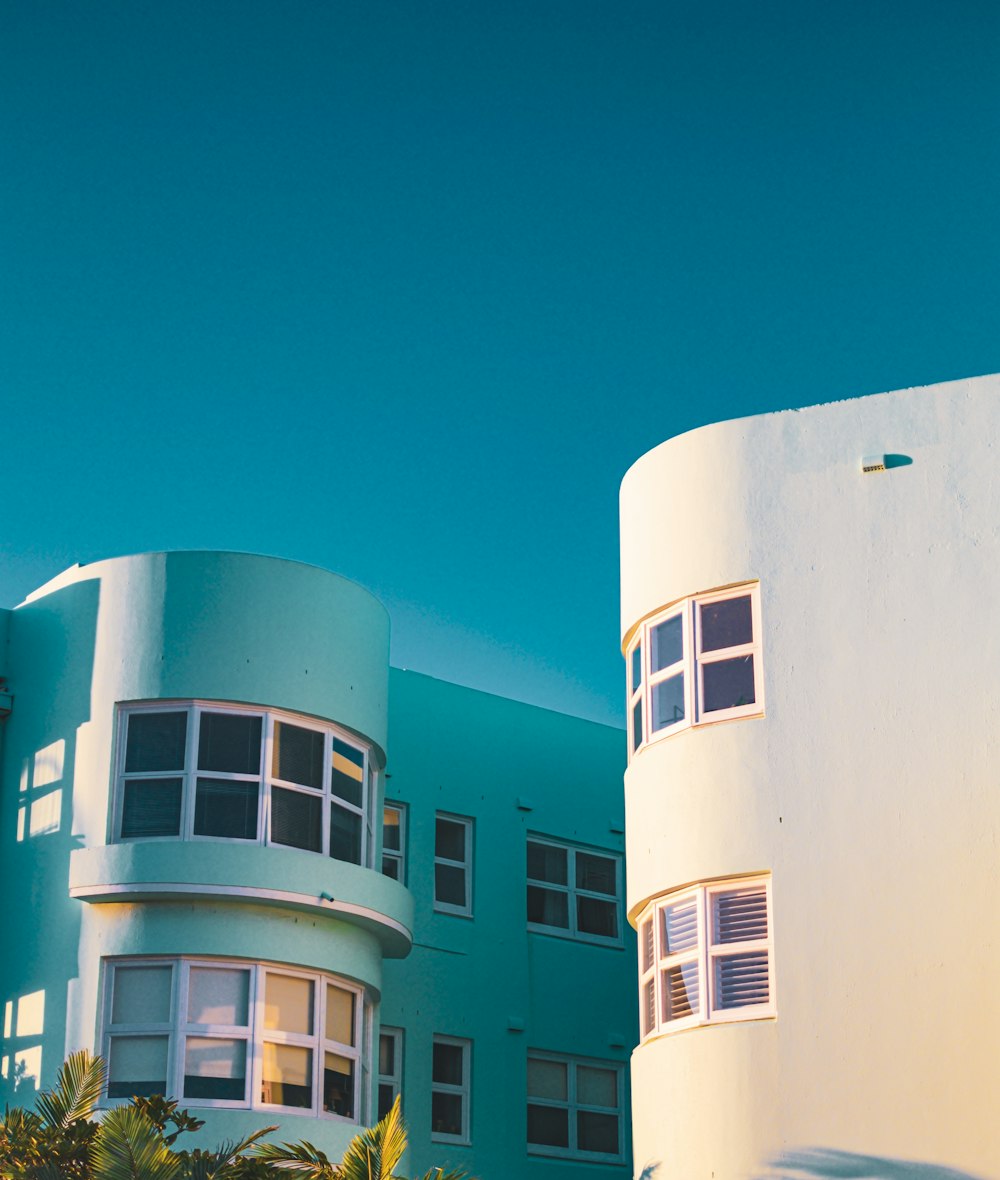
(870, 790)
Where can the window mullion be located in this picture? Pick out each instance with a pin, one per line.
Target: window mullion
(190, 772)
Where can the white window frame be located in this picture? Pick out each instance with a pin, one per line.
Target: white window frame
(464, 1091)
(392, 854)
(655, 960)
(692, 663)
(573, 891)
(446, 907)
(393, 1080)
(265, 778)
(177, 1030)
(572, 1106)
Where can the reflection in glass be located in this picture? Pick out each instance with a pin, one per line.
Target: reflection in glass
(667, 643)
(298, 755)
(287, 1075)
(230, 743)
(348, 774)
(226, 808)
(727, 684)
(137, 1066)
(215, 1068)
(156, 741)
(668, 702)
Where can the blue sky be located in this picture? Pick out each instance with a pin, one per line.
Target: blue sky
(402, 289)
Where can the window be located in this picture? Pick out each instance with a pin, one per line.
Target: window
(450, 1085)
(394, 841)
(390, 1068)
(705, 956)
(573, 892)
(453, 864)
(574, 1107)
(696, 662)
(232, 1034)
(194, 772)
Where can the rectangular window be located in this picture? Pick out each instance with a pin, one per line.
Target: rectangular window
(574, 1107)
(394, 841)
(451, 1077)
(705, 956)
(574, 891)
(390, 1068)
(453, 864)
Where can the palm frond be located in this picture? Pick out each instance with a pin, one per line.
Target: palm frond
(129, 1146)
(299, 1158)
(375, 1153)
(78, 1087)
(222, 1162)
(441, 1174)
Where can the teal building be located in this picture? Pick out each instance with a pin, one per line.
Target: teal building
(260, 871)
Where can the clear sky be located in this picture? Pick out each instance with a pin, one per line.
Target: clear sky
(402, 289)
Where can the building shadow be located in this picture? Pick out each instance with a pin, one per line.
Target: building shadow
(820, 1163)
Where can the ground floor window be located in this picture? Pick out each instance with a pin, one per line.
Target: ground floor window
(574, 1107)
(390, 1068)
(451, 1079)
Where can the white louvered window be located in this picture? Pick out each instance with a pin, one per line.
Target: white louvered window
(706, 956)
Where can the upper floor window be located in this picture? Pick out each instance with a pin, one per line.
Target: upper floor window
(234, 1034)
(453, 864)
(705, 955)
(573, 891)
(695, 662)
(394, 841)
(196, 771)
(390, 1068)
(574, 1107)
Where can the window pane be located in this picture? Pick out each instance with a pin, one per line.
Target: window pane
(548, 1125)
(546, 863)
(386, 1097)
(636, 666)
(648, 1006)
(137, 1065)
(386, 1054)
(448, 1063)
(288, 1003)
(547, 907)
(225, 808)
(155, 741)
(151, 807)
(741, 980)
(348, 774)
(229, 742)
(449, 839)
(338, 1085)
(637, 725)
(728, 683)
(740, 916)
(218, 995)
(680, 926)
(596, 1087)
(297, 819)
(596, 873)
(141, 995)
(646, 942)
(287, 1075)
(390, 867)
(547, 1079)
(668, 702)
(345, 834)
(298, 755)
(339, 1015)
(681, 994)
(597, 917)
(446, 1113)
(215, 1068)
(390, 829)
(597, 1132)
(726, 624)
(667, 643)
(449, 885)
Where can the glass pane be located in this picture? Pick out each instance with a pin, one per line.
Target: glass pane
(548, 1125)
(596, 1087)
(449, 839)
(339, 1015)
(597, 1132)
(345, 834)
(726, 624)
(386, 1054)
(728, 683)
(151, 807)
(681, 994)
(155, 741)
(215, 1068)
(448, 1063)
(636, 666)
(667, 643)
(218, 995)
(547, 907)
(338, 1085)
(141, 995)
(637, 725)
(288, 1003)
(390, 867)
(391, 829)
(668, 702)
(449, 885)
(229, 742)
(594, 916)
(596, 873)
(137, 1065)
(225, 808)
(298, 755)
(546, 863)
(446, 1113)
(741, 980)
(386, 1097)
(297, 819)
(546, 1079)
(348, 774)
(680, 926)
(287, 1075)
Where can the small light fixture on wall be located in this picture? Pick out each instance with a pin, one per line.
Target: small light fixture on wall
(872, 463)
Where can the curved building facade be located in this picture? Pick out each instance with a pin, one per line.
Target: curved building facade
(811, 819)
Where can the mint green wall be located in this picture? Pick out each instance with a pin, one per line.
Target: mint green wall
(472, 754)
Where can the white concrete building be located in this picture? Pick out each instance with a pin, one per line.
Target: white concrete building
(813, 793)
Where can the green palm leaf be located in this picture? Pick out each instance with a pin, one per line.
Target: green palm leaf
(78, 1087)
(299, 1158)
(375, 1153)
(129, 1146)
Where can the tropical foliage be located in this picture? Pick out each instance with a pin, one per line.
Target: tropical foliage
(62, 1140)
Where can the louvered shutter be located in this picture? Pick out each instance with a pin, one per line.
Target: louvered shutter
(741, 973)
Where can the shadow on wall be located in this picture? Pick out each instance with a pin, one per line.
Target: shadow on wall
(649, 1171)
(817, 1163)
